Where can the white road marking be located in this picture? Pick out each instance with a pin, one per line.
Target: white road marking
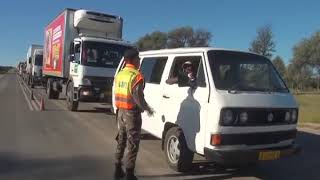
(26, 97)
(36, 102)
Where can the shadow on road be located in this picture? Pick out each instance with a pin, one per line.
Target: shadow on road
(98, 110)
(16, 167)
(302, 166)
(147, 136)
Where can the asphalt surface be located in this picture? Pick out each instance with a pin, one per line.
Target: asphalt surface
(58, 144)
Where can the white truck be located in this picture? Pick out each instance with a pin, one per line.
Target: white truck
(34, 64)
(82, 51)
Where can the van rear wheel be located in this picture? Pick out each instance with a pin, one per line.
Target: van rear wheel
(178, 155)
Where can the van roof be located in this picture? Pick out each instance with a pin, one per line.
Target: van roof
(188, 50)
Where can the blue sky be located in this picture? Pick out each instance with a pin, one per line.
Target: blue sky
(233, 23)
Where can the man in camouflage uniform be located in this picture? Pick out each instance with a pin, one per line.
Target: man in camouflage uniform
(130, 102)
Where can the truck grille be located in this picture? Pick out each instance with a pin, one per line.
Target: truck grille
(104, 83)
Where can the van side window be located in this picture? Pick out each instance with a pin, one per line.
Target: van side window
(152, 69)
(177, 71)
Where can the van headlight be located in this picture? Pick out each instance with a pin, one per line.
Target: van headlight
(287, 117)
(227, 117)
(294, 116)
(86, 82)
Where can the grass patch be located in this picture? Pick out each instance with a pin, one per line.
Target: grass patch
(309, 108)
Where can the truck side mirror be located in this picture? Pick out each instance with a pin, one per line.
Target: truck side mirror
(71, 57)
(29, 61)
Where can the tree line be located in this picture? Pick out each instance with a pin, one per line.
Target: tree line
(4, 69)
(302, 73)
(179, 37)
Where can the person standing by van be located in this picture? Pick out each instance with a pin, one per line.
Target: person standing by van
(130, 102)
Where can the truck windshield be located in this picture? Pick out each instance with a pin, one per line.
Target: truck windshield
(244, 72)
(100, 54)
(38, 60)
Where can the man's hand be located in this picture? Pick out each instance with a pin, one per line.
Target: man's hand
(191, 76)
(150, 112)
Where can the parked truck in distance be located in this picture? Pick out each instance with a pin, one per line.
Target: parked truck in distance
(82, 51)
(34, 65)
(21, 68)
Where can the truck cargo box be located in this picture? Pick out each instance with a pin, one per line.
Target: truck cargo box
(55, 38)
(67, 26)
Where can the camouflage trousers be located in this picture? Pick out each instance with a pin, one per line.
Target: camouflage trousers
(128, 136)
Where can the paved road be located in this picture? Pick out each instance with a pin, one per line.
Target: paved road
(58, 144)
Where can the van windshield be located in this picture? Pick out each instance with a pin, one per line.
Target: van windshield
(38, 60)
(100, 54)
(244, 72)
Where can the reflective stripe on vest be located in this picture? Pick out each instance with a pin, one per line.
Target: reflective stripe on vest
(125, 81)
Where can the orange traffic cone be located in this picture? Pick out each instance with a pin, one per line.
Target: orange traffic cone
(42, 104)
(31, 95)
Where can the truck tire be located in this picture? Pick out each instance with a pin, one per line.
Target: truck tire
(71, 104)
(52, 94)
(177, 154)
(56, 94)
(28, 80)
(49, 89)
(32, 83)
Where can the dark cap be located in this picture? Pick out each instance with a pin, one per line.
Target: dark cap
(131, 53)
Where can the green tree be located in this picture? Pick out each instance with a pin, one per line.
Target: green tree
(155, 40)
(263, 44)
(188, 37)
(280, 66)
(179, 37)
(306, 54)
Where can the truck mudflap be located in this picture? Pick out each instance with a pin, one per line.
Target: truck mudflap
(238, 157)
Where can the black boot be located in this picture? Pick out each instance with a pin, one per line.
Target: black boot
(130, 175)
(118, 172)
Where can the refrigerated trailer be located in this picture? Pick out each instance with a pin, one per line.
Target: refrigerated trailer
(82, 51)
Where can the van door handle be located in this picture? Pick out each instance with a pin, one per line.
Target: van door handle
(165, 96)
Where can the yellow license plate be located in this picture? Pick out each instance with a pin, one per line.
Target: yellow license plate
(269, 155)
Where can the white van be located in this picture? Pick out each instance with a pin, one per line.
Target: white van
(240, 111)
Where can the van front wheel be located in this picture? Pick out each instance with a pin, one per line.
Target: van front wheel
(178, 156)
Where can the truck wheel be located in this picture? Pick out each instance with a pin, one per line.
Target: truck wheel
(71, 104)
(56, 94)
(52, 94)
(28, 80)
(32, 83)
(178, 156)
(49, 91)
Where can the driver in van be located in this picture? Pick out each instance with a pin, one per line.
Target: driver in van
(187, 75)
